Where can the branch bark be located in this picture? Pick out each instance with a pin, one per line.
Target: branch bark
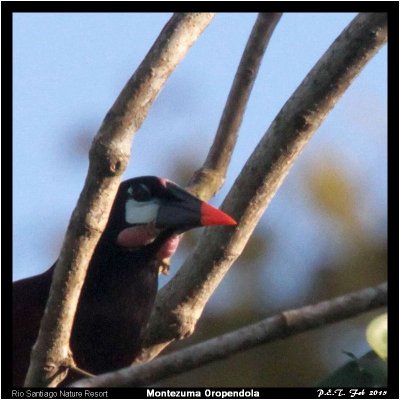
(108, 156)
(210, 177)
(180, 303)
(280, 326)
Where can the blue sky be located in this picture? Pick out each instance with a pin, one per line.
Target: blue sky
(69, 68)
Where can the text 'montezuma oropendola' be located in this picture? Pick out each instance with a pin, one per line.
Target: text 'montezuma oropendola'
(117, 297)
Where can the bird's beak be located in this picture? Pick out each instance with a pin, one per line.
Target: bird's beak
(184, 211)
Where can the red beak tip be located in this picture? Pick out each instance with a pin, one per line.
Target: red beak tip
(213, 216)
(228, 220)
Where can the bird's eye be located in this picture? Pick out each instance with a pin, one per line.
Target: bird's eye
(140, 192)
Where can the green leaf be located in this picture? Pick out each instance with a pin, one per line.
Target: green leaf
(377, 335)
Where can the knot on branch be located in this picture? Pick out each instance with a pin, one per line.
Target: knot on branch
(53, 374)
(183, 322)
(175, 324)
(246, 74)
(108, 159)
(302, 122)
(206, 182)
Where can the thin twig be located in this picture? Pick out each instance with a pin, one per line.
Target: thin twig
(109, 156)
(80, 371)
(210, 177)
(280, 326)
(179, 304)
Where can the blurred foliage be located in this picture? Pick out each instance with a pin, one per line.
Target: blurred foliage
(377, 335)
(366, 371)
(332, 191)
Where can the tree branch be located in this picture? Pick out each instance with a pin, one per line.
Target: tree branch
(109, 156)
(180, 303)
(210, 177)
(280, 326)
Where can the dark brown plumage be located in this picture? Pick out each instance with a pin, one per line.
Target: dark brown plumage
(116, 300)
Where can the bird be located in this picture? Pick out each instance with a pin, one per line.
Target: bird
(146, 221)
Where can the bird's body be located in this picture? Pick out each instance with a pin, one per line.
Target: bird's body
(121, 283)
(29, 300)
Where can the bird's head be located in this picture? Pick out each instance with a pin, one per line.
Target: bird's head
(147, 206)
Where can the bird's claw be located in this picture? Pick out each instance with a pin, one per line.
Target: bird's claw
(163, 267)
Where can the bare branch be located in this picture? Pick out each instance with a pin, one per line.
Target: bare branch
(280, 326)
(180, 303)
(109, 156)
(210, 177)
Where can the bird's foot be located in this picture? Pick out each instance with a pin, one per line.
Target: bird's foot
(164, 265)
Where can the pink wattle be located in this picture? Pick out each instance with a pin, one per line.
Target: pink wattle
(142, 235)
(137, 236)
(169, 247)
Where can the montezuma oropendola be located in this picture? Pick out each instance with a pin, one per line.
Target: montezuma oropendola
(117, 297)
